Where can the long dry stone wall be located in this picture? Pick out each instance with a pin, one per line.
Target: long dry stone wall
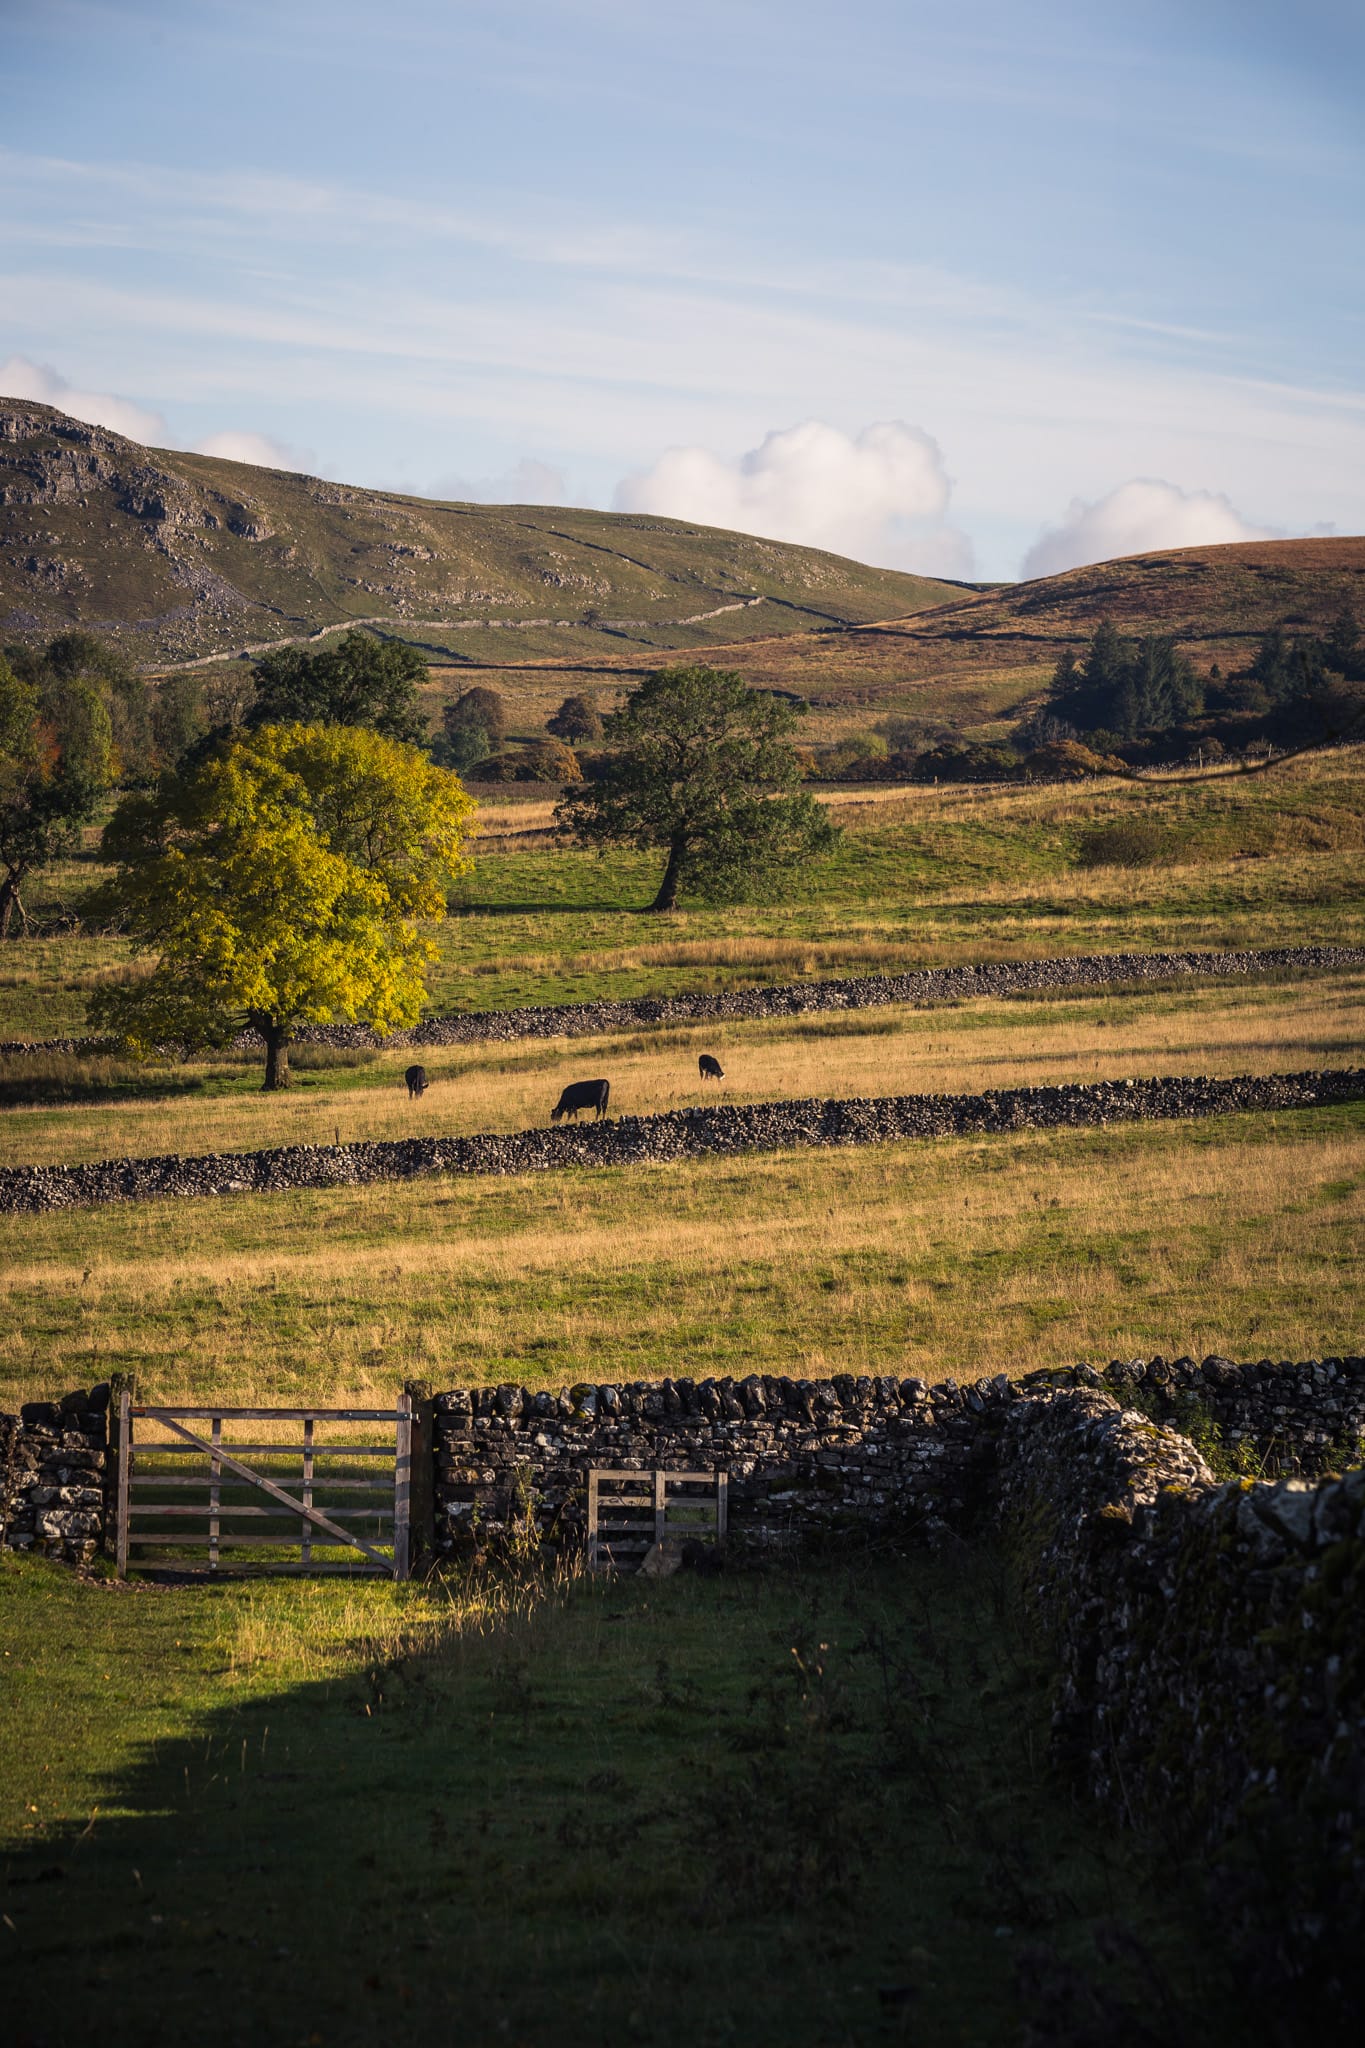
(676, 1134)
(802, 998)
(805, 1456)
(1211, 1645)
(819, 1456)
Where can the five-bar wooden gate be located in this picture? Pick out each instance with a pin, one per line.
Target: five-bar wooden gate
(193, 1492)
(629, 1512)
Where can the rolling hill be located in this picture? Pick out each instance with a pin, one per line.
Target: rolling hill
(186, 556)
(190, 559)
(979, 659)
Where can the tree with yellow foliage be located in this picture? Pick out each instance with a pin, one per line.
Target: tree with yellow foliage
(283, 880)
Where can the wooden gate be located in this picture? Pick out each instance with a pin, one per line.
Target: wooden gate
(190, 1490)
(629, 1512)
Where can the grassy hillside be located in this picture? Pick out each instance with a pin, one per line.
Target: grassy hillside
(184, 556)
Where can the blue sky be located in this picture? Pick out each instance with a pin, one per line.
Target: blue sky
(1101, 264)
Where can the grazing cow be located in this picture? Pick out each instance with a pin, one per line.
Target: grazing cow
(416, 1078)
(581, 1095)
(710, 1067)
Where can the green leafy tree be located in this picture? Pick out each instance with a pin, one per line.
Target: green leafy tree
(179, 717)
(1125, 686)
(576, 719)
(86, 663)
(478, 706)
(282, 880)
(702, 769)
(56, 761)
(463, 749)
(361, 682)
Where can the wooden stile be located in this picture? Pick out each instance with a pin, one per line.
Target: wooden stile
(629, 1512)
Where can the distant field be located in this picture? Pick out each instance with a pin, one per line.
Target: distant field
(965, 1256)
(1240, 1235)
(923, 876)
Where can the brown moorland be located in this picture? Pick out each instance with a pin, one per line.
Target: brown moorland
(980, 659)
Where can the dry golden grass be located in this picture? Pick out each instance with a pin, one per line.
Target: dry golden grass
(1210, 1028)
(1242, 1235)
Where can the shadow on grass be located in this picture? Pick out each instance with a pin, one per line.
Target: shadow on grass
(796, 1808)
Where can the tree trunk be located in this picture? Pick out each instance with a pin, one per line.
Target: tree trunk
(668, 888)
(9, 899)
(276, 1055)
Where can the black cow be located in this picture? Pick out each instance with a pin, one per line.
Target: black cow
(710, 1067)
(416, 1078)
(582, 1095)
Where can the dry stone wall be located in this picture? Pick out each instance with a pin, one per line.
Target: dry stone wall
(1211, 1649)
(677, 1134)
(807, 1458)
(803, 998)
(814, 1457)
(53, 1472)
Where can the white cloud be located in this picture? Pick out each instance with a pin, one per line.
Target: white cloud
(1137, 518)
(20, 378)
(527, 482)
(880, 497)
(42, 385)
(258, 449)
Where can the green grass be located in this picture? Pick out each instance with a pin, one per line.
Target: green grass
(920, 878)
(803, 1807)
(966, 1256)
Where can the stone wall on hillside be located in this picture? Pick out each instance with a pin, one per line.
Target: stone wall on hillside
(673, 1135)
(801, 998)
(1211, 1662)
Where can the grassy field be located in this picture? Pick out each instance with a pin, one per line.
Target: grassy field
(967, 1256)
(1240, 1235)
(342, 1096)
(921, 877)
(805, 1807)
